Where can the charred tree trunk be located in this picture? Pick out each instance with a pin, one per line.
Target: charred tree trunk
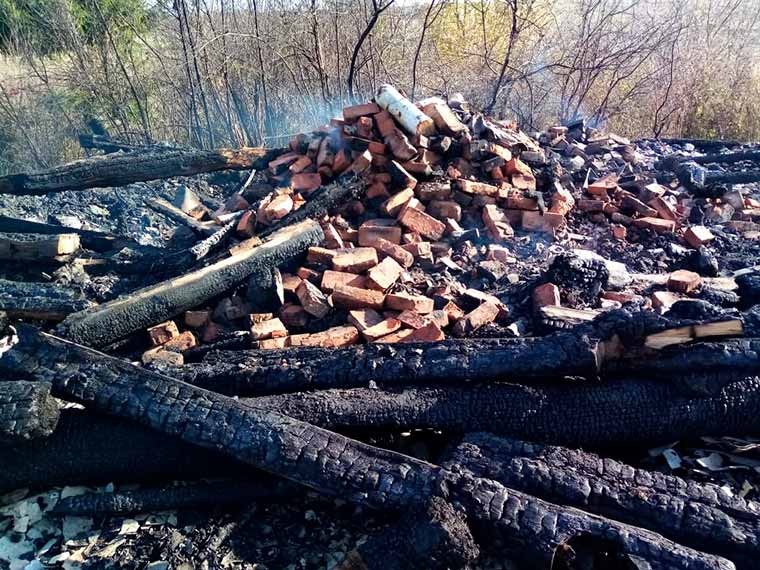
(88, 448)
(39, 301)
(699, 515)
(192, 496)
(122, 169)
(452, 362)
(323, 460)
(117, 319)
(27, 411)
(614, 412)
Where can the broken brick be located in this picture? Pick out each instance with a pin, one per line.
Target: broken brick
(443, 209)
(331, 279)
(384, 274)
(268, 329)
(363, 319)
(349, 297)
(497, 223)
(484, 314)
(197, 319)
(431, 332)
(381, 329)
(306, 182)
(397, 252)
(336, 337)
(182, 342)
(697, 236)
(546, 295)
(294, 316)
(405, 301)
(395, 337)
(470, 187)
(163, 332)
(355, 260)
(353, 112)
(684, 281)
(370, 230)
(313, 300)
(655, 224)
(422, 223)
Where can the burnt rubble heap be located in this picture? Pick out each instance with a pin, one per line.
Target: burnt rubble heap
(284, 321)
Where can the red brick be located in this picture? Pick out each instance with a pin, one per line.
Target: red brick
(684, 281)
(664, 299)
(349, 297)
(321, 255)
(306, 182)
(656, 224)
(562, 201)
(160, 354)
(331, 279)
(280, 164)
(197, 319)
(312, 299)
(500, 253)
(384, 274)
(307, 274)
(370, 230)
(422, 223)
(182, 342)
(397, 252)
(696, 236)
(443, 209)
(363, 319)
(484, 314)
(480, 188)
(279, 207)
(431, 332)
(591, 205)
(162, 333)
(400, 176)
(405, 301)
(400, 146)
(497, 223)
(341, 162)
(663, 208)
(336, 337)
(353, 112)
(547, 222)
(300, 165)
(376, 190)
(412, 319)
(398, 336)
(517, 201)
(385, 123)
(392, 206)
(355, 260)
(332, 237)
(453, 311)
(254, 318)
(381, 329)
(211, 332)
(361, 162)
(246, 226)
(268, 329)
(546, 295)
(274, 343)
(619, 232)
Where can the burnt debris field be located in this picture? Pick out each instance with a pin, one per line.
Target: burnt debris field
(416, 337)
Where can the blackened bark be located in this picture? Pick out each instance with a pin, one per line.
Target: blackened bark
(27, 411)
(184, 496)
(610, 413)
(40, 301)
(122, 169)
(434, 536)
(452, 362)
(117, 319)
(87, 448)
(699, 515)
(323, 460)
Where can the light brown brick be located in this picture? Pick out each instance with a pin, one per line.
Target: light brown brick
(656, 224)
(696, 236)
(305, 182)
(392, 206)
(290, 282)
(397, 252)
(160, 354)
(405, 301)
(453, 311)
(321, 255)
(197, 319)
(355, 260)
(181, 342)
(546, 295)
(254, 318)
(268, 329)
(349, 297)
(312, 299)
(431, 332)
(331, 279)
(274, 343)
(684, 281)
(422, 223)
(384, 274)
(162, 333)
(363, 319)
(443, 209)
(663, 208)
(497, 222)
(484, 314)
(335, 337)
(381, 329)
(395, 337)
(370, 230)
(353, 112)
(480, 188)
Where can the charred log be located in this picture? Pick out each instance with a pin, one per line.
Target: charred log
(117, 319)
(434, 536)
(451, 362)
(185, 496)
(625, 411)
(39, 301)
(88, 448)
(699, 515)
(324, 460)
(27, 411)
(122, 169)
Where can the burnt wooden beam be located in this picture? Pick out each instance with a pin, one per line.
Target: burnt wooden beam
(700, 515)
(27, 411)
(198, 495)
(121, 317)
(256, 372)
(121, 169)
(586, 414)
(40, 301)
(533, 529)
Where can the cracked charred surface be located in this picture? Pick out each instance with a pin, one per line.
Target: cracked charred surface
(532, 528)
(623, 411)
(27, 411)
(89, 448)
(700, 515)
(121, 169)
(249, 373)
(117, 319)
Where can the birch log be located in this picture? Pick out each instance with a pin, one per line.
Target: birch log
(406, 113)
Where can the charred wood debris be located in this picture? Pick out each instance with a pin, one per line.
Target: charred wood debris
(448, 342)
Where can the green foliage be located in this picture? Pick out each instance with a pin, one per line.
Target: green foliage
(41, 24)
